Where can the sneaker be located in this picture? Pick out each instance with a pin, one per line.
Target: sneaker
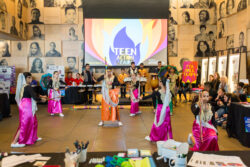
(61, 115)
(120, 123)
(39, 139)
(132, 115)
(190, 142)
(100, 123)
(52, 114)
(17, 145)
(139, 112)
(147, 138)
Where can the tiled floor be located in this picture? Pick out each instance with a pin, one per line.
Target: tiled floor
(59, 133)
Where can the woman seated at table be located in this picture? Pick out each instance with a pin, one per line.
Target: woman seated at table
(78, 80)
(161, 129)
(204, 135)
(26, 100)
(54, 102)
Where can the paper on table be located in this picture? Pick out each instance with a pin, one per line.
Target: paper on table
(211, 160)
(14, 160)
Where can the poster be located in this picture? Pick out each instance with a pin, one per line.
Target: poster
(222, 65)
(51, 68)
(212, 66)
(204, 71)
(233, 71)
(189, 73)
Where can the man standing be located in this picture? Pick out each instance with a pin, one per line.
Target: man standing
(133, 69)
(88, 80)
(143, 73)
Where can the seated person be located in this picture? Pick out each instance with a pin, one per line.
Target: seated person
(69, 79)
(220, 104)
(240, 92)
(78, 80)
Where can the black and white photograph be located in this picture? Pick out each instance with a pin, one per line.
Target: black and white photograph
(173, 17)
(230, 7)
(37, 65)
(172, 4)
(53, 48)
(80, 16)
(202, 4)
(36, 32)
(186, 17)
(3, 6)
(203, 35)
(3, 21)
(5, 48)
(52, 3)
(35, 3)
(242, 4)
(66, 3)
(35, 48)
(13, 29)
(19, 48)
(186, 4)
(240, 42)
(71, 64)
(70, 15)
(172, 48)
(36, 16)
(72, 33)
(3, 62)
(203, 49)
(222, 13)
(221, 28)
(230, 41)
(202, 17)
(172, 33)
(80, 28)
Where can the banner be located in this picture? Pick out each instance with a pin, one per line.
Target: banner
(51, 68)
(189, 74)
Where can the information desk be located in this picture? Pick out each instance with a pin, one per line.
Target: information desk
(4, 105)
(58, 158)
(236, 123)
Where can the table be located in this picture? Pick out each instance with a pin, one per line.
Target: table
(236, 124)
(4, 105)
(72, 96)
(58, 158)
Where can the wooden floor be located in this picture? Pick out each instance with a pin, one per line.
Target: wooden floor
(60, 133)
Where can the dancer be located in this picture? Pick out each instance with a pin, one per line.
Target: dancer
(204, 136)
(134, 95)
(173, 88)
(161, 129)
(110, 98)
(54, 102)
(26, 100)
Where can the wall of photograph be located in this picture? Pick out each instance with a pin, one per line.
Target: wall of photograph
(201, 28)
(52, 34)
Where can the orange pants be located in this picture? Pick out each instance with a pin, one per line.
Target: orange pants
(110, 113)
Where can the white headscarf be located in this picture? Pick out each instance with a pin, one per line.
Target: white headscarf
(105, 95)
(166, 101)
(21, 83)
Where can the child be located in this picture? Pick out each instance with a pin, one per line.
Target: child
(204, 135)
(161, 129)
(134, 95)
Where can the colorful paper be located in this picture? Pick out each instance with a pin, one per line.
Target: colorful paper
(189, 74)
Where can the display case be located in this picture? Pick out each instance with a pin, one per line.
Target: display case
(212, 66)
(204, 70)
(233, 71)
(222, 65)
